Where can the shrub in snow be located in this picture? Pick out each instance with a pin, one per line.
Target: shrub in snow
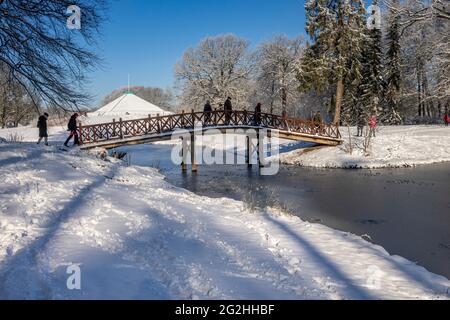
(16, 138)
(100, 153)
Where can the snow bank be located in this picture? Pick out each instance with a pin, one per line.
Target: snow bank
(398, 146)
(135, 236)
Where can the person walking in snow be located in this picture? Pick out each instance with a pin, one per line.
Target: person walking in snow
(257, 117)
(72, 128)
(228, 108)
(42, 125)
(446, 119)
(207, 109)
(373, 126)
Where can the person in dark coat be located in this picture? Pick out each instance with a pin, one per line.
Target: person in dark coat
(72, 128)
(207, 109)
(361, 123)
(284, 117)
(42, 125)
(228, 108)
(257, 118)
(317, 119)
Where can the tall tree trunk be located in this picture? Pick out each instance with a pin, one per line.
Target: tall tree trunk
(284, 98)
(3, 115)
(419, 92)
(426, 95)
(339, 98)
(272, 100)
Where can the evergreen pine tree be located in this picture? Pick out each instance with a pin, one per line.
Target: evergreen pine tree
(371, 91)
(336, 28)
(392, 72)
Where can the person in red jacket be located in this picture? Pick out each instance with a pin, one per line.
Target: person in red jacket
(447, 119)
(373, 126)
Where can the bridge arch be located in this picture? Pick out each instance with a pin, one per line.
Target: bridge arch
(160, 128)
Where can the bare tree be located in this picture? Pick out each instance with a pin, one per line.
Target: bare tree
(278, 59)
(42, 53)
(218, 67)
(425, 42)
(415, 11)
(16, 104)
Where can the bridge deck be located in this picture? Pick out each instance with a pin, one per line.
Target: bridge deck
(161, 128)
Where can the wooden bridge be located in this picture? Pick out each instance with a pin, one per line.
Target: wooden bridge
(152, 129)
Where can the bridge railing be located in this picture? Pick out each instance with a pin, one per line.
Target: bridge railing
(122, 129)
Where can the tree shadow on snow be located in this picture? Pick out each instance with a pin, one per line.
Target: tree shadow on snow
(351, 290)
(20, 277)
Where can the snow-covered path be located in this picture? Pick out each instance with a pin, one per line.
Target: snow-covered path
(135, 236)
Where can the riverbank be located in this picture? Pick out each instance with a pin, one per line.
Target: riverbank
(394, 147)
(135, 236)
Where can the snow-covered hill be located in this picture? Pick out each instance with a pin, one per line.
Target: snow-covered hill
(133, 235)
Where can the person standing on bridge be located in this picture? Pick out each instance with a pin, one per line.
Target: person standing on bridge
(42, 125)
(207, 109)
(72, 128)
(317, 119)
(228, 108)
(257, 117)
(284, 117)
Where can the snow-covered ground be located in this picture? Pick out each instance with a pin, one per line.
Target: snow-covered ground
(397, 146)
(31, 134)
(135, 236)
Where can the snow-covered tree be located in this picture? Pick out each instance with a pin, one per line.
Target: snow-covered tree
(16, 104)
(423, 28)
(218, 67)
(442, 66)
(336, 29)
(372, 84)
(393, 70)
(42, 53)
(277, 61)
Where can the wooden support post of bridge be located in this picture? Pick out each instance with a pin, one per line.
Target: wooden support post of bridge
(193, 155)
(184, 149)
(248, 151)
(121, 128)
(259, 148)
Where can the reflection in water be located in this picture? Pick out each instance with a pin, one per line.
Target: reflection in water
(407, 211)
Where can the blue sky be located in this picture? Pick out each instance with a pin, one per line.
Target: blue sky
(145, 38)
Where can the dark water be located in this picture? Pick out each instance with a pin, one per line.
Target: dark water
(407, 211)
